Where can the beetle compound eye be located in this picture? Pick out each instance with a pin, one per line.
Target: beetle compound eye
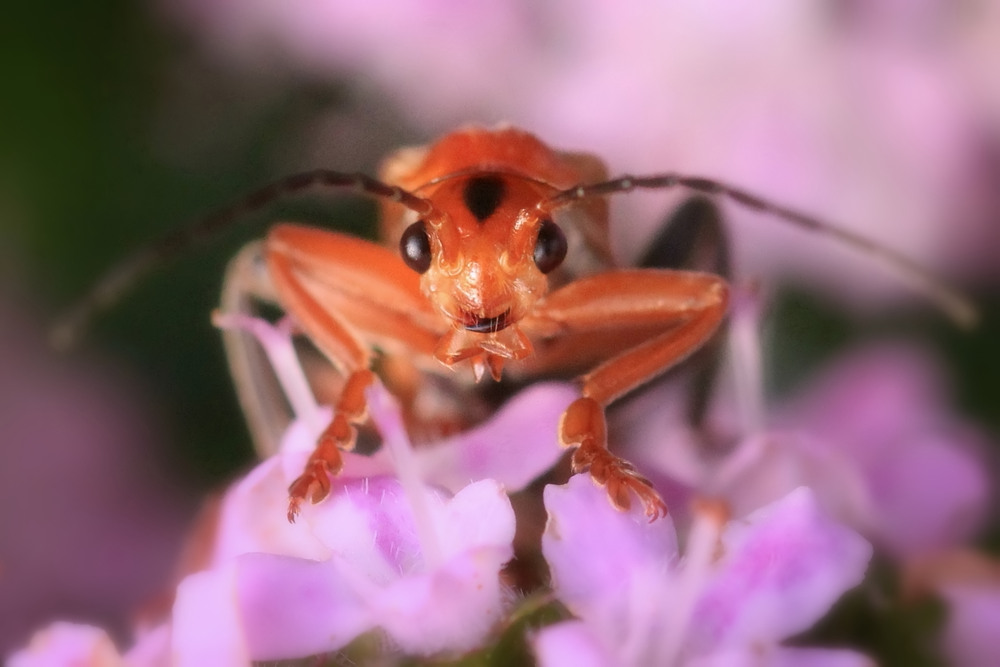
(415, 247)
(550, 248)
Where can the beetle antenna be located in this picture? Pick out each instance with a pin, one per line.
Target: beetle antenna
(121, 277)
(956, 305)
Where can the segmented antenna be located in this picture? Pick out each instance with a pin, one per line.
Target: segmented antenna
(958, 307)
(115, 283)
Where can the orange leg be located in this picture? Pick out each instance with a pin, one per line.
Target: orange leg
(326, 461)
(633, 325)
(346, 295)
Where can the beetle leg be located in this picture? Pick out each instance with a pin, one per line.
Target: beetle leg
(347, 295)
(693, 237)
(630, 326)
(326, 460)
(245, 285)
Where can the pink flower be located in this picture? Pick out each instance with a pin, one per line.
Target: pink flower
(874, 437)
(409, 544)
(427, 597)
(80, 645)
(738, 590)
(386, 551)
(67, 644)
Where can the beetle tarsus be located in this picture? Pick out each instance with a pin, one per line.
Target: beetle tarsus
(327, 459)
(312, 485)
(620, 479)
(583, 426)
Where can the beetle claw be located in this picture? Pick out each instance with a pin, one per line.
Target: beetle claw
(313, 485)
(620, 479)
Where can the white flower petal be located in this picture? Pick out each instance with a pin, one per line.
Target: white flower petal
(478, 515)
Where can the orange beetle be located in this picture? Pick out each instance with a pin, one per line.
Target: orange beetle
(496, 259)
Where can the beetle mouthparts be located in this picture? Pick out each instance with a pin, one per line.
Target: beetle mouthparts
(486, 324)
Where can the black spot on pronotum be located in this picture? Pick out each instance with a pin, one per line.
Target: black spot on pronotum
(482, 195)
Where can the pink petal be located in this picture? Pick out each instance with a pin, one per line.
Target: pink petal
(151, 649)
(781, 656)
(369, 524)
(65, 643)
(871, 396)
(379, 575)
(570, 644)
(253, 516)
(206, 625)
(594, 550)
(292, 608)
(886, 409)
(767, 467)
(514, 446)
(452, 608)
(931, 496)
(782, 570)
(819, 657)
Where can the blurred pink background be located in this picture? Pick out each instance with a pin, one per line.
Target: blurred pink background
(881, 116)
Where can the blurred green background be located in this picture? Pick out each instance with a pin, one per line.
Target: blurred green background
(114, 131)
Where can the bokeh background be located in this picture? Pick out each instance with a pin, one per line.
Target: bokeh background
(121, 120)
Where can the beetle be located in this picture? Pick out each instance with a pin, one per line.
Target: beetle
(495, 261)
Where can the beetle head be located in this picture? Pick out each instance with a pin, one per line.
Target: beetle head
(483, 256)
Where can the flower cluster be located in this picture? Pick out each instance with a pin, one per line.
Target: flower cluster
(411, 545)
(639, 602)
(407, 556)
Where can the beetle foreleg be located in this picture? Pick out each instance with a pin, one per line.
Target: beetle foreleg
(630, 326)
(246, 285)
(326, 461)
(583, 426)
(349, 297)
